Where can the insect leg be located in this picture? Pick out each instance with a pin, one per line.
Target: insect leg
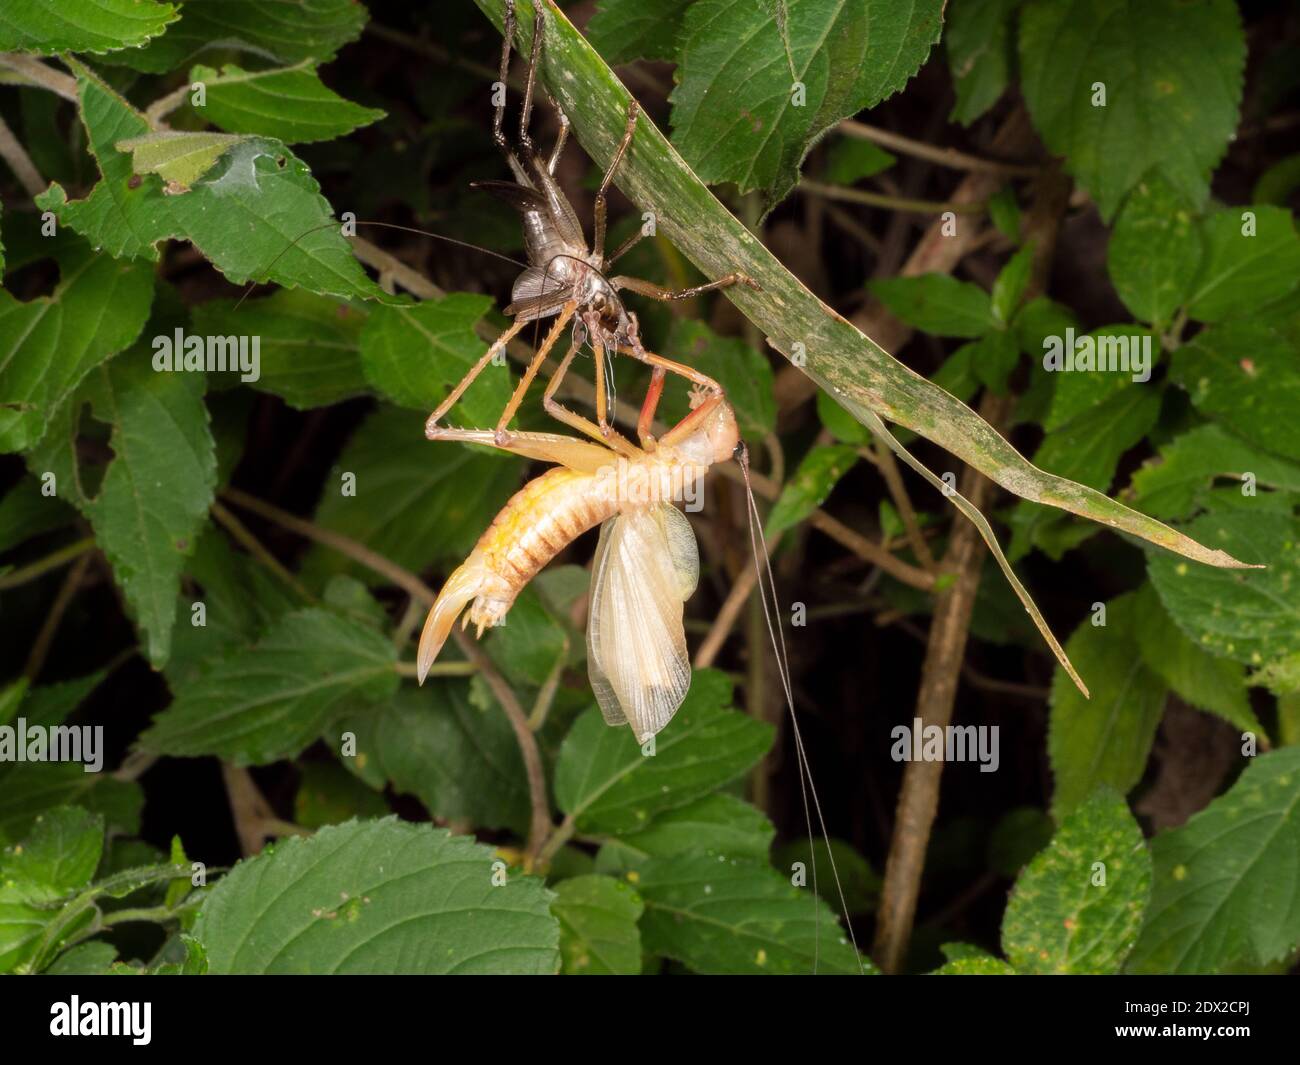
(535, 364)
(612, 438)
(487, 356)
(598, 241)
(649, 407)
(658, 292)
(560, 138)
(526, 113)
(681, 369)
(498, 118)
(580, 455)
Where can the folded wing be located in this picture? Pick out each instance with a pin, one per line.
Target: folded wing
(645, 569)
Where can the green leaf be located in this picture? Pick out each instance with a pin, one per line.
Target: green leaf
(1277, 183)
(1243, 270)
(624, 30)
(292, 104)
(1078, 906)
(850, 159)
(271, 701)
(329, 795)
(377, 897)
(1019, 835)
(980, 43)
(59, 855)
(598, 931)
(28, 789)
(96, 26)
(156, 492)
(26, 511)
(605, 783)
(839, 422)
(736, 112)
(1154, 251)
(1009, 288)
(1104, 740)
(838, 868)
(257, 214)
(986, 965)
(50, 343)
(745, 375)
(309, 345)
(180, 158)
(993, 358)
(818, 473)
(22, 925)
(1081, 390)
(85, 959)
(416, 501)
(286, 30)
(716, 824)
(1250, 616)
(1179, 482)
(1225, 881)
(719, 915)
(459, 758)
(415, 354)
(1216, 685)
(1244, 374)
(527, 649)
(938, 304)
(1163, 108)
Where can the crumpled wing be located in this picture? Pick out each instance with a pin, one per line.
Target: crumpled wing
(646, 567)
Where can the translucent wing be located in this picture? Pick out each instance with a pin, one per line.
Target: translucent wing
(646, 566)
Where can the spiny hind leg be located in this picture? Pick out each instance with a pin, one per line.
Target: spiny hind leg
(494, 348)
(569, 451)
(610, 436)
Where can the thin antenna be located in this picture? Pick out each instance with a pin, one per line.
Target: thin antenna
(382, 225)
(777, 636)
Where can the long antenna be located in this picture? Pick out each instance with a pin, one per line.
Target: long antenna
(777, 636)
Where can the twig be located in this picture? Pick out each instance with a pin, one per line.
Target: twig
(949, 157)
(540, 825)
(258, 550)
(546, 694)
(255, 821)
(438, 669)
(416, 588)
(918, 798)
(41, 648)
(40, 75)
(891, 203)
(888, 466)
(165, 105)
(42, 566)
(13, 153)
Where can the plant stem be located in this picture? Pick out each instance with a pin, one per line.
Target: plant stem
(949, 157)
(891, 203)
(42, 566)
